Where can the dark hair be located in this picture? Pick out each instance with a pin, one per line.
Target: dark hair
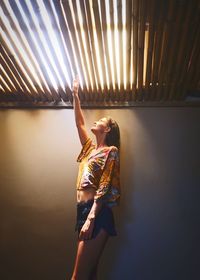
(113, 136)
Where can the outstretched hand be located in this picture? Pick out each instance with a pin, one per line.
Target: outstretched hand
(75, 85)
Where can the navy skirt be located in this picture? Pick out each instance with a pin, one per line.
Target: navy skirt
(104, 219)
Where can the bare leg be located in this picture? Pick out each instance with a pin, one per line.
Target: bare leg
(88, 255)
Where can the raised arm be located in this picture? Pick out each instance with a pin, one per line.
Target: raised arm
(79, 118)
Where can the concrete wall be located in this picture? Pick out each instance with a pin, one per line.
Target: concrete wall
(158, 218)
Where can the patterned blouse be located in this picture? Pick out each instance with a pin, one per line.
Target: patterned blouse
(100, 171)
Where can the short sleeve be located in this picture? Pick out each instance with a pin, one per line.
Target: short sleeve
(109, 185)
(86, 149)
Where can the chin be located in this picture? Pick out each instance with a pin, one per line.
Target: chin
(93, 129)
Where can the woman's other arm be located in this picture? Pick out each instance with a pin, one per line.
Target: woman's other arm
(79, 119)
(87, 229)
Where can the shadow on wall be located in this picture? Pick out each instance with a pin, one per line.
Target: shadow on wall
(124, 214)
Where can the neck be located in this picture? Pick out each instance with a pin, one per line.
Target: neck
(100, 140)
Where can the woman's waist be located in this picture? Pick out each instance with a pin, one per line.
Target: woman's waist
(83, 195)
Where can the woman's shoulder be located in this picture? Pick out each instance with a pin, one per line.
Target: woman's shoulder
(113, 152)
(113, 148)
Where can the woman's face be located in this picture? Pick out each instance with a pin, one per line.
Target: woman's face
(100, 126)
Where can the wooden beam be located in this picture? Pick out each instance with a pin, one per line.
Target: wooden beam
(95, 105)
(135, 46)
(184, 32)
(100, 45)
(141, 36)
(151, 30)
(181, 9)
(158, 47)
(167, 37)
(192, 37)
(128, 28)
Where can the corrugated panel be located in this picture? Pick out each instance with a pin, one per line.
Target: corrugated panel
(123, 51)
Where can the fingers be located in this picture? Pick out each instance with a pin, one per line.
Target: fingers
(86, 231)
(76, 83)
(76, 80)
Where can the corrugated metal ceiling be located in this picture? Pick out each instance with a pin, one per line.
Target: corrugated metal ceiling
(125, 52)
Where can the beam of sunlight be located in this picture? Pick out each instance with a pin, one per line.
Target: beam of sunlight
(90, 43)
(62, 37)
(124, 40)
(72, 44)
(26, 20)
(53, 38)
(78, 43)
(131, 52)
(7, 4)
(146, 42)
(43, 40)
(116, 36)
(9, 45)
(109, 40)
(131, 64)
(96, 46)
(84, 42)
(104, 52)
(21, 50)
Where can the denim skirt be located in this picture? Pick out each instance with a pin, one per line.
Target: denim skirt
(104, 219)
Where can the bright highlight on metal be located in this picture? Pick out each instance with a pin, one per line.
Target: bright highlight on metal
(3, 71)
(4, 82)
(5, 61)
(1, 87)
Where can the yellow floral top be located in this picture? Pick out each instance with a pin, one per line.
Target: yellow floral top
(100, 171)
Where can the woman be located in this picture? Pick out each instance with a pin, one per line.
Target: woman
(98, 189)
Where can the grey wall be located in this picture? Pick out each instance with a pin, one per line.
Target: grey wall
(158, 218)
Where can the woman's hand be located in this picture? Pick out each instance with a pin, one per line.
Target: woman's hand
(87, 229)
(75, 85)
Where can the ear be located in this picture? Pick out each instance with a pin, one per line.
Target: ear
(107, 129)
